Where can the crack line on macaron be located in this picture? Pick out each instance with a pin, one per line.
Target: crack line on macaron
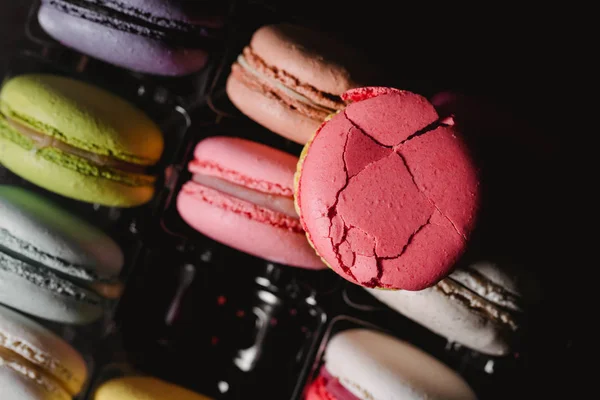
(448, 121)
(408, 241)
(376, 282)
(430, 199)
(332, 213)
(72, 269)
(357, 126)
(37, 358)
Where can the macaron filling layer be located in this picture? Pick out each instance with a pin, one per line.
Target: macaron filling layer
(22, 355)
(256, 199)
(485, 297)
(9, 245)
(237, 203)
(489, 290)
(273, 202)
(47, 280)
(107, 289)
(122, 17)
(72, 157)
(273, 82)
(30, 372)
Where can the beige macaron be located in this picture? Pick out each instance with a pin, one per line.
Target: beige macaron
(35, 362)
(290, 78)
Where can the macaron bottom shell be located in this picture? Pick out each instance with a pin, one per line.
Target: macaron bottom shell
(124, 49)
(74, 181)
(19, 383)
(27, 343)
(243, 233)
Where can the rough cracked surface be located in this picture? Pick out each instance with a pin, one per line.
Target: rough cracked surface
(387, 193)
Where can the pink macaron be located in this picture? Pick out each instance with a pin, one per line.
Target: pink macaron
(241, 195)
(388, 192)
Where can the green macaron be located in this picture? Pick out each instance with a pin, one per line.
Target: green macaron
(78, 140)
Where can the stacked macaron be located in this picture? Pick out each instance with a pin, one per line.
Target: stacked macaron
(241, 194)
(152, 36)
(78, 140)
(362, 364)
(54, 265)
(386, 190)
(36, 364)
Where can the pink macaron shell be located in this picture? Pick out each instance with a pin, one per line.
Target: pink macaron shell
(247, 163)
(392, 117)
(387, 196)
(246, 227)
(312, 394)
(447, 164)
(329, 174)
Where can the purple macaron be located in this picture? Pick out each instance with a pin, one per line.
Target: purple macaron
(159, 37)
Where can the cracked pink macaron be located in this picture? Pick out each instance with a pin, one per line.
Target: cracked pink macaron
(387, 192)
(241, 195)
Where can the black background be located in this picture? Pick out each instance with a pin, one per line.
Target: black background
(512, 56)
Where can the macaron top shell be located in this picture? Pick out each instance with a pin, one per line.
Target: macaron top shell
(39, 230)
(264, 168)
(43, 349)
(82, 116)
(373, 365)
(308, 56)
(387, 194)
(161, 12)
(143, 388)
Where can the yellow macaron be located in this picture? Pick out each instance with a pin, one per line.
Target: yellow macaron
(143, 388)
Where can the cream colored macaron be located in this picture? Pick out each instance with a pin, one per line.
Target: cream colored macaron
(367, 365)
(143, 388)
(35, 363)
